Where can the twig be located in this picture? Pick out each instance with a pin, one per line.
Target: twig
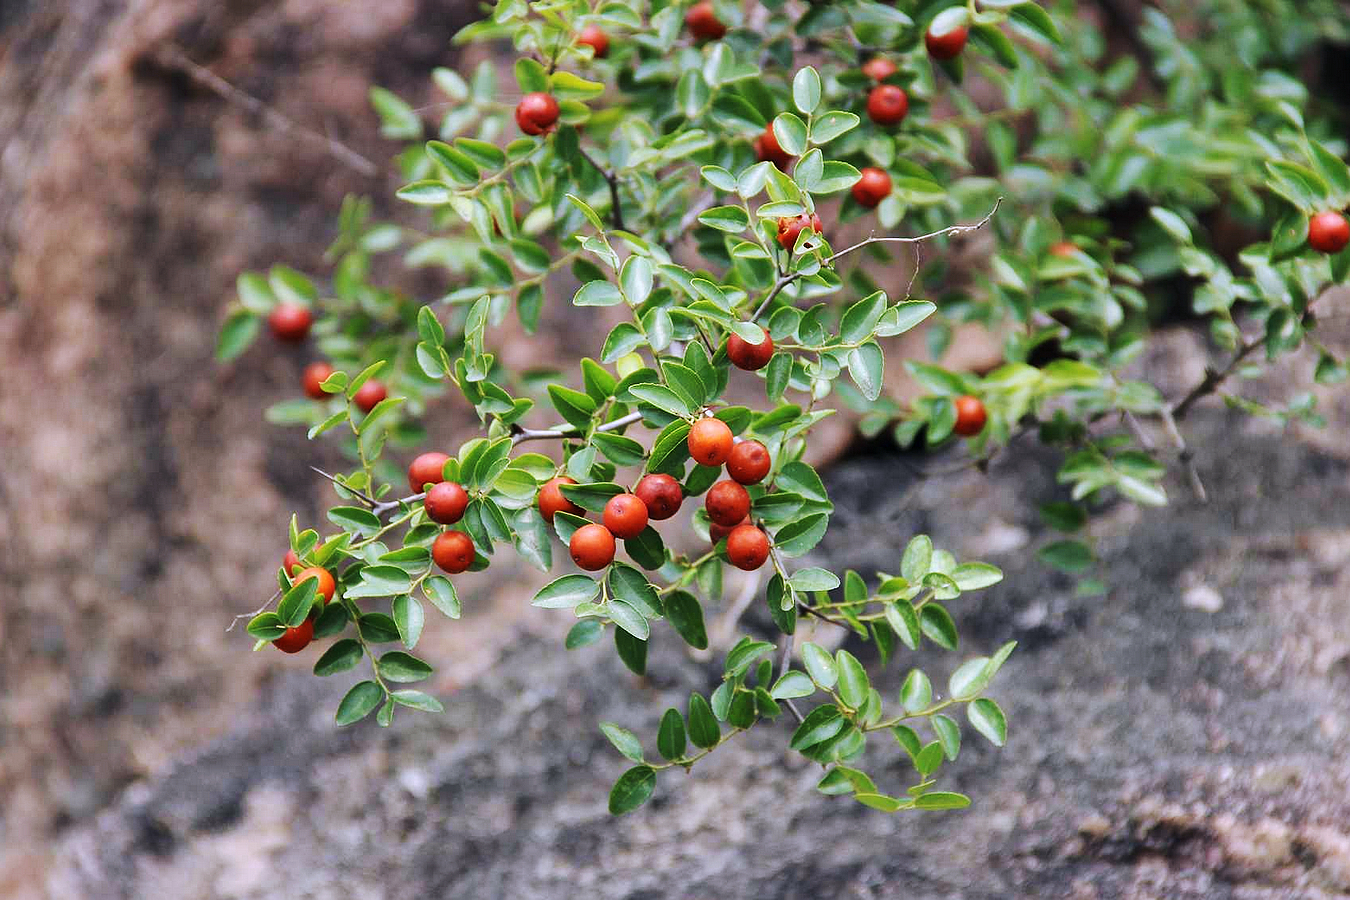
(612, 179)
(520, 435)
(780, 669)
(172, 57)
(1213, 378)
(1185, 454)
(257, 612)
(385, 506)
(1144, 440)
(786, 280)
(363, 497)
(695, 210)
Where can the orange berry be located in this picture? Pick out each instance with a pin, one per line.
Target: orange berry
(297, 638)
(661, 494)
(445, 503)
(625, 516)
(747, 547)
(887, 104)
(453, 551)
(970, 416)
(426, 469)
(748, 356)
(289, 562)
(551, 499)
(709, 442)
(537, 113)
(326, 583)
(592, 547)
(727, 502)
(749, 462)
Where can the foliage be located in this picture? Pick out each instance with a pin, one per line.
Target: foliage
(1102, 182)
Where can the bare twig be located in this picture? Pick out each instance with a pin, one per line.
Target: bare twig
(612, 179)
(172, 57)
(695, 210)
(257, 612)
(780, 669)
(788, 279)
(1213, 378)
(520, 435)
(1139, 434)
(1185, 454)
(360, 495)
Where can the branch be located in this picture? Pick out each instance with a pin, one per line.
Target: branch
(1213, 378)
(363, 497)
(520, 435)
(1185, 454)
(780, 669)
(873, 239)
(173, 58)
(257, 612)
(612, 178)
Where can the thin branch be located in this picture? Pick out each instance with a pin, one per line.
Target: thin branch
(257, 612)
(1213, 378)
(786, 280)
(1185, 454)
(1139, 434)
(360, 495)
(173, 57)
(385, 506)
(520, 435)
(695, 210)
(612, 179)
(780, 669)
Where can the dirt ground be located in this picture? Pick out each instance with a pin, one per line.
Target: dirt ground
(1183, 736)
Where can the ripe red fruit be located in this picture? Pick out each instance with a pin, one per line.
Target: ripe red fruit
(887, 104)
(749, 462)
(747, 547)
(370, 394)
(625, 515)
(661, 494)
(970, 416)
(594, 36)
(791, 226)
(537, 112)
(948, 45)
(290, 322)
(748, 356)
(289, 562)
(727, 502)
(326, 583)
(426, 469)
(1328, 232)
(445, 503)
(709, 442)
(872, 187)
(297, 638)
(703, 23)
(314, 376)
(1063, 248)
(719, 532)
(551, 499)
(453, 551)
(879, 68)
(768, 148)
(592, 547)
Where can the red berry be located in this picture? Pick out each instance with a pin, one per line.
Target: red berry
(709, 442)
(314, 376)
(297, 638)
(594, 36)
(791, 226)
(551, 499)
(289, 563)
(1063, 248)
(426, 469)
(592, 547)
(661, 494)
(749, 462)
(970, 416)
(719, 532)
(625, 516)
(453, 551)
(537, 112)
(887, 104)
(445, 503)
(748, 356)
(948, 45)
(872, 187)
(747, 547)
(326, 583)
(1328, 232)
(290, 322)
(703, 23)
(768, 148)
(727, 502)
(370, 394)
(879, 68)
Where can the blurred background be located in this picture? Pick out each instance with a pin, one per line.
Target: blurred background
(1187, 735)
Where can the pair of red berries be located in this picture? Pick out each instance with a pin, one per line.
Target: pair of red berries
(444, 503)
(367, 396)
(299, 637)
(1328, 232)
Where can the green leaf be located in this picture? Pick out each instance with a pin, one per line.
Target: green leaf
(380, 581)
(359, 702)
(342, 656)
(236, 334)
(917, 692)
(598, 293)
(397, 118)
(626, 616)
(409, 618)
(530, 75)
(853, 683)
(820, 665)
(1067, 556)
(976, 575)
(585, 632)
(793, 684)
(1298, 184)
(458, 167)
(1037, 19)
(820, 724)
(797, 538)
(937, 624)
(948, 734)
(663, 398)
(633, 789)
(881, 802)
(685, 614)
(862, 317)
(1173, 224)
(866, 368)
(814, 579)
(830, 125)
(636, 279)
(623, 740)
(296, 603)
(441, 592)
(631, 650)
(402, 667)
(704, 732)
(904, 621)
(566, 86)
(731, 219)
(941, 800)
(266, 626)
(791, 133)
(484, 155)
(987, 718)
(806, 90)
(417, 700)
(425, 193)
(566, 592)
(670, 739)
(918, 558)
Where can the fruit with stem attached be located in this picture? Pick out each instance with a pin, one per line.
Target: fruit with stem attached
(625, 516)
(453, 552)
(445, 503)
(749, 462)
(592, 547)
(748, 356)
(709, 442)
(970, 416)
(537, 112)
(661, 494)
(747, 547)
(551, 499)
